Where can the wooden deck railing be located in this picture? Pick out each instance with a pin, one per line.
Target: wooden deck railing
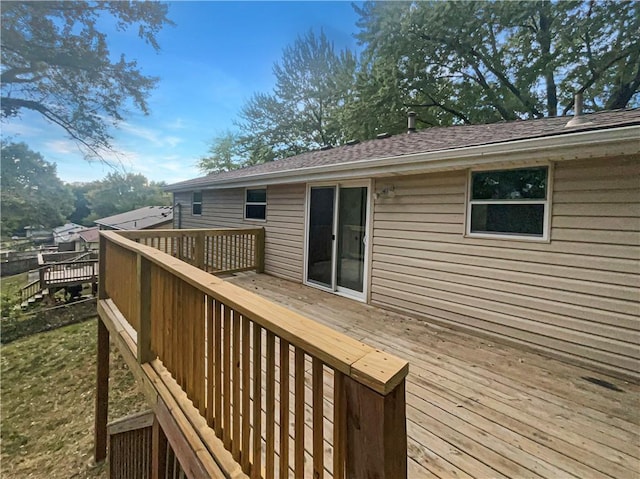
(213, 250)
(283, 393)
(47, 258)
(68, 273)
(30, 290)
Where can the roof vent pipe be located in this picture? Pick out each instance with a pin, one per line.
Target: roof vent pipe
(578, 116)
(411, 122)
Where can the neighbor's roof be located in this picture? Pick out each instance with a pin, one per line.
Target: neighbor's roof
(66, 232)
(139, 219)
(90, 235)
(401, 146)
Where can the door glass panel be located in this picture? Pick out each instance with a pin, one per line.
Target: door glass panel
(321, 211)
(352, 215)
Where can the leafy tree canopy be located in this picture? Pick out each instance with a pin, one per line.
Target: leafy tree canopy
(303, 111)
(223, 154)
(485, 61)
(450, 61)
(55, 61)
(121, 192)
(31, 194)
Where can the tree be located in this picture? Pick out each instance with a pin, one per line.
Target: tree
(304, 110)
(121, 192)
(32, 194)
(81, 207)
(223, 154)
(479, 62)
(56, 62)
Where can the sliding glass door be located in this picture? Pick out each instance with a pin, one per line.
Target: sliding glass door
(320, 251)
(337, 238)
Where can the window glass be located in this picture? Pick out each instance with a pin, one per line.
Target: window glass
(257, 196)
(256, 204)
(256, 212)
(529, 183)
(196, 203)
(509, 202)
(525, 219)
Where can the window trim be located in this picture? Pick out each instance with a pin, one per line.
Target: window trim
(194, 203)
(546, 225)
(255, 203)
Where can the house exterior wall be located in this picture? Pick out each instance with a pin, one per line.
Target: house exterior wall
(284, 224)
(576, 296)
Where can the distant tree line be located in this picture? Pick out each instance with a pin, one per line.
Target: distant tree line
(450, 62)
(32, 194)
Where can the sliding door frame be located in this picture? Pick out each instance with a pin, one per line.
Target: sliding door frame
(368, 227)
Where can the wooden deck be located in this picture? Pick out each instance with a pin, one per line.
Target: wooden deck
(476, 408)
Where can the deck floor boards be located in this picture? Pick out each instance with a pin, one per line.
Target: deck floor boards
(478, 408)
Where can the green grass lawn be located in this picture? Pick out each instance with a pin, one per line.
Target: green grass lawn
(48, 388)
(13, 283)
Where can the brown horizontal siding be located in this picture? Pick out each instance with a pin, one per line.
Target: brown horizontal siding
(577, 295)
(284, 226)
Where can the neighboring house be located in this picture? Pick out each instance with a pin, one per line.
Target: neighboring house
(146, 218)
(64, 237)
(88, 240)
(527, 231)
(38, 235)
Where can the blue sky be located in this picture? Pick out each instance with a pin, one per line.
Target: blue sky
(216, 56)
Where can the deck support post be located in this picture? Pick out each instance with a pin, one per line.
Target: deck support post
(376, 432)
(102, 394)
(144, 310)
(259, 251)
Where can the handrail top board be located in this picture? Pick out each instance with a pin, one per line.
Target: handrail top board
(177, 233)
(375, 369)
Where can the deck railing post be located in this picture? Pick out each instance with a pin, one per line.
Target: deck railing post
(199, 250)
(143, 302)
(102, 394)
(376, 432)
(259, 251)
(102, 268)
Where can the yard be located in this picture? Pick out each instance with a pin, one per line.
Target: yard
(48, 385)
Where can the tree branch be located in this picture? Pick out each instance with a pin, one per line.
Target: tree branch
(11, 106)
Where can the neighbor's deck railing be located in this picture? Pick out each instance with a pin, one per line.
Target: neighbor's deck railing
(212, 250)
(283, 393)
(68, 272)
(30, 290)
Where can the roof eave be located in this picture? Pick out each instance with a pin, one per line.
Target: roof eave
(570, 146)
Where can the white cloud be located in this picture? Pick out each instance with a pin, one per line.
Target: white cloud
(19, 128)
(155, 137)
(61, 147)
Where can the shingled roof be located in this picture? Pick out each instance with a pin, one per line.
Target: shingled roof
(423, 141)
(139, 219)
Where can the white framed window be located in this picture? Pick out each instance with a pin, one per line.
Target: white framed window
(255, 204)
(196, 203)
(509, 203)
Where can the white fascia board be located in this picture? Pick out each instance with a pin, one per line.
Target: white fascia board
(573, 146)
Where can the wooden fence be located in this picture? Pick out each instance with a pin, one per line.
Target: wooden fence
(284, 394)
